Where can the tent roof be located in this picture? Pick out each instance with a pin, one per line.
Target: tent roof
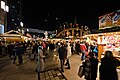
(13, 32)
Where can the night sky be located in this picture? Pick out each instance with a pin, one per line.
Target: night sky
(48, 14)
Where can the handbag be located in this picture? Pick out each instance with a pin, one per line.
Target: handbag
(95, 50)
(81, 71)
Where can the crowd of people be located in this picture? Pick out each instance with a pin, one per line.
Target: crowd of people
(88, 55)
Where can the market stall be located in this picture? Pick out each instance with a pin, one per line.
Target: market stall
(106, 41)
(12, 36)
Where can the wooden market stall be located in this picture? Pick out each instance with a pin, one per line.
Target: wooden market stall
(108, 34)
(107, 41)
(12, 36)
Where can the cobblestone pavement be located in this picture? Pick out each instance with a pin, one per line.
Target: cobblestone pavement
(52, 74)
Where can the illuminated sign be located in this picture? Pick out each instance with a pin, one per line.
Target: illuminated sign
(109, 20)
(1, 29)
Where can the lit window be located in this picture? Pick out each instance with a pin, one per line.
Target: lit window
(3, 5)
(13, 19)
(15, 23)
(13, 6)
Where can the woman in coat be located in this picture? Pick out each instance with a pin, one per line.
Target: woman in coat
(108, 67)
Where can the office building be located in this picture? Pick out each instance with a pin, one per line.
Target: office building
(14, 18)
(3, 16)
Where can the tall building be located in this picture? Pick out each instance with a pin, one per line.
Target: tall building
(14, 18)
(3, 16)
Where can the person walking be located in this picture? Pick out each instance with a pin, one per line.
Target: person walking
(68, 56)
(90, 67)
(62, 51)
(29, 51)
(83, 49)
(108, 67)
(40, 60)
(20, 52)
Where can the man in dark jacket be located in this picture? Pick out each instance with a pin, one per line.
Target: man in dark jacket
(108, 67)
(62, 51)
(90, 67)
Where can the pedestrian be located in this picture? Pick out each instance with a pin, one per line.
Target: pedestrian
(62, 51)
(40, 60)
(29, 51)
(15, 50)
(42, 56)
(83, 49)
(77, 48)
(90, 67)
(108, 67)
(20, 52)
(68, 56)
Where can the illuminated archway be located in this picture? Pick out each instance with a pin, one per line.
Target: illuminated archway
(72, 33)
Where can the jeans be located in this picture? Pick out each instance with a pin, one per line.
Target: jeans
(83, 55)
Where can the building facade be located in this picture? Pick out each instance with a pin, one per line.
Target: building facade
(14, 18)
(3, 16)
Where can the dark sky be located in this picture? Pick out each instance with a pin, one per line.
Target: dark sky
(42, 14)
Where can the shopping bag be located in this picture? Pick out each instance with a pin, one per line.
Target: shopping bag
(86, 53)
(56, 59)
(81, 71)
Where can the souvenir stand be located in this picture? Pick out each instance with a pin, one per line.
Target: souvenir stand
(109, 33)
(106, 41)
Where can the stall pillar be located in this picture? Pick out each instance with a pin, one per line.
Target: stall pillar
(100, 51)
(100, 47)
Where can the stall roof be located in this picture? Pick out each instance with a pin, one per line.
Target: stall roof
(113, 29)
(13, 32)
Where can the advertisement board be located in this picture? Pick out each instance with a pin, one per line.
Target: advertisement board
(109, 20)
(1, 29)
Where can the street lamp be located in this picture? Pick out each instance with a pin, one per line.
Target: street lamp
(22, 30)
(21, 24)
